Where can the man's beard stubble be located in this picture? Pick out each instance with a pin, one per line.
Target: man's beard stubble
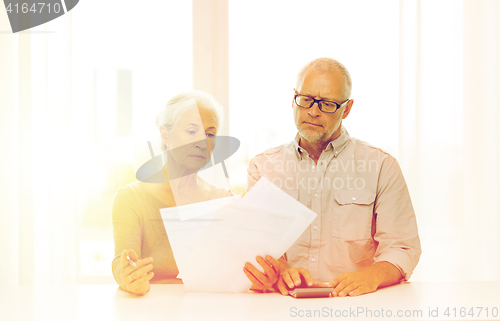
(311, 136)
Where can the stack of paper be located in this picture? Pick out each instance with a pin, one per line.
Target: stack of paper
(213, 240)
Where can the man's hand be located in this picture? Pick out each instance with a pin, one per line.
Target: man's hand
(354, 283)
(366, 280)
(262, 281)
(297, 277)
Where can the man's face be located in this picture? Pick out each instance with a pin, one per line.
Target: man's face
(314, 125)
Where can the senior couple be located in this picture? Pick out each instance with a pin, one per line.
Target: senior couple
(364, 236)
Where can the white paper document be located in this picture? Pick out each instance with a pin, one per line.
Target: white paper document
(213, 240)
(185, 226)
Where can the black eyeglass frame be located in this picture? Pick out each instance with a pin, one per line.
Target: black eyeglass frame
(318, 101)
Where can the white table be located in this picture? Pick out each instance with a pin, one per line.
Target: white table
(171, 302)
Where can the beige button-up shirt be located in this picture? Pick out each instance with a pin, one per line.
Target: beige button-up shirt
(364, 209)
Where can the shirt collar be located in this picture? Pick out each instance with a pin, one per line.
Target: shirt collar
(336, 145)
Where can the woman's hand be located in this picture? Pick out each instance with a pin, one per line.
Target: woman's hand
(136, 278)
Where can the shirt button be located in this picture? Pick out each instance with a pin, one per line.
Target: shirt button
(313, 167)
(313, 259)
(354, 198)
(315, 227)
(316, 195)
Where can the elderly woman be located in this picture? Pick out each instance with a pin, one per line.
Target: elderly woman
(188, 125)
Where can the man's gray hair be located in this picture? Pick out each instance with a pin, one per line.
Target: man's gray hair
(326, 64)
(180, 104)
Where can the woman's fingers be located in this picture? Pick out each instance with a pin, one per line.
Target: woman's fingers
(143, 279)
(133, 256)
(139, 272)
(141, 286)
(123, 259)
(136, 278)
(131, 273)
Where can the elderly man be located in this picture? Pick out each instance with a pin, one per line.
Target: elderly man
(365, 235)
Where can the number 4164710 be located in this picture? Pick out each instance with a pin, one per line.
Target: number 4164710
(34, 8)
(471, 312)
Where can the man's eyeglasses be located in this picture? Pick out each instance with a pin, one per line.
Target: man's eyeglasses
(326, 106)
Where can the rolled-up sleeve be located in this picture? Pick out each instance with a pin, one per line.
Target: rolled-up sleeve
(396, 226)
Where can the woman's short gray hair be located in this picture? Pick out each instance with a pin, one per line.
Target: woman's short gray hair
(176, 107)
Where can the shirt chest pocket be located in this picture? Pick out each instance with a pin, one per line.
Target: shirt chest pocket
(352, 213)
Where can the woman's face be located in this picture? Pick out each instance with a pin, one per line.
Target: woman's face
(191, 141)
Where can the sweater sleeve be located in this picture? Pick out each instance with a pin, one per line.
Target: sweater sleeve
(127, 229)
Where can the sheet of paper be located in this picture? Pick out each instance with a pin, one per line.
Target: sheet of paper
(238, 236)
(186, 224)
(266, 195)
(265, 221)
